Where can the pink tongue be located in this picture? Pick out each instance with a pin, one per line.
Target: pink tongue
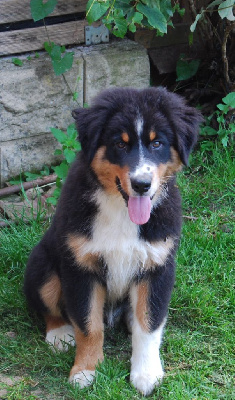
(139, 209)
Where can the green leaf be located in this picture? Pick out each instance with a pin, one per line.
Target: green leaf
(17, 62)
(49, 47)
(132, 27)
(137, 18)
(72, 132)
(120, 27)
(63, 64)
(95, 10)
(52, 200)
(15, 182)
(59, 135)
(223, 107)
(75, 96)
(30, 176)
(185, 70)
(57, 152)
(225, 140)
(230, 99)
(62, 170)
(208, 131)
(70, 155)
(166, 8)
(225, 10)
(40, 9)
(194, 24)
(154, 16)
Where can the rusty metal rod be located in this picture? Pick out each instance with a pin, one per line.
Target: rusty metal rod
(28, 185)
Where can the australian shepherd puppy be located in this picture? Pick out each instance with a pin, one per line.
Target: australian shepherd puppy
(116, 230)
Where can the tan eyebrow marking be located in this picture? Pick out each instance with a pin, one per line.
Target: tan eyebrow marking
(125, 137)
(152, 135)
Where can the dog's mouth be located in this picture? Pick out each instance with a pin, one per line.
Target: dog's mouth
(139, 207)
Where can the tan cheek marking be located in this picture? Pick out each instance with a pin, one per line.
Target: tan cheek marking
(50, 293)
(88, 261)
(125, 137)
(107, 173)
(89, 348)
(152, 135)
(142, 307)
(171, 167)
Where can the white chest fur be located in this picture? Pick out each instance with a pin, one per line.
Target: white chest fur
(115, 238)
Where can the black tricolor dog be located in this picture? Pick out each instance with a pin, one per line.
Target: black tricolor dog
(116, 230)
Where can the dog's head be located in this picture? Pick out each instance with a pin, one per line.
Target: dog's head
(135, 140)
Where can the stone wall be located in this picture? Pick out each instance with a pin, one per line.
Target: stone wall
(33, 99)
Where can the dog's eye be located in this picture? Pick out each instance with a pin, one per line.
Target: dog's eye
(155, 144)
(121, 145)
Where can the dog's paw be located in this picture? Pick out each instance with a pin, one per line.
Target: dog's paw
(146, 381)
(61, 338)
(82, 378)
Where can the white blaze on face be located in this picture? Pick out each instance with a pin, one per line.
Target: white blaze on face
(139, 206)
(139, 131)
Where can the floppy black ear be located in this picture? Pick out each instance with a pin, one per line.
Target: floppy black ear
(186, 126)
(89, 123)
(185, 121)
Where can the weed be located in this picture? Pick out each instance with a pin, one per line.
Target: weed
(69, 147)
(226, 125)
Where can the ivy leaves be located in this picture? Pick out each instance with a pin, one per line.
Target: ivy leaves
(122, 15)
(40, 9)
(225, 10)
(154, 16)
(61, 61)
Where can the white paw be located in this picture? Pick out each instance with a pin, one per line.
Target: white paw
(146, 381)
(83, 378)
(61, 338)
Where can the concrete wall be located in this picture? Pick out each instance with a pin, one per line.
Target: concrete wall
(33, 99)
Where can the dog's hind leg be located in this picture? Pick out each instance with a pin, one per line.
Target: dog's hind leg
(59, 333)
(42, 288)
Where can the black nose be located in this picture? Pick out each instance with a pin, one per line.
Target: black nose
(140, 185)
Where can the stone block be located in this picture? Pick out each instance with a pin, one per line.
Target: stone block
(26, 154)
(33, 99)
(121, 63)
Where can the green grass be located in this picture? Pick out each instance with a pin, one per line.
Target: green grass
(198, 346)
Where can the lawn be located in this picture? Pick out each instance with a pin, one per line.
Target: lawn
(199, 339)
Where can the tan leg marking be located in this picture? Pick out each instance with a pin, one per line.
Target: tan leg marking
(50, 293)
(89, 349)
(142, 306)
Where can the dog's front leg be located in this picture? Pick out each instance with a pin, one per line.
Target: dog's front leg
(149, 301)
(87, 320)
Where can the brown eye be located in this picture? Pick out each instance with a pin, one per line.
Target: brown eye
(121, 145)
(155, 144)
